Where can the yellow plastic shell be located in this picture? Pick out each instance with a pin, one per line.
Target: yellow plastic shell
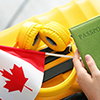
(28, 36)
(55, 35)
(60, 88)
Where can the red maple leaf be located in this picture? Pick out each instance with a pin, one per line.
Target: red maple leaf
(17, 79)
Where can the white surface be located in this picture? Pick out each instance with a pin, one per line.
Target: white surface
(25, 9)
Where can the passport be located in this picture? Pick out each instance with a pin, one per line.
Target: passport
(87, 39)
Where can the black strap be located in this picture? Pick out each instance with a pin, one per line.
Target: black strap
(76, 96)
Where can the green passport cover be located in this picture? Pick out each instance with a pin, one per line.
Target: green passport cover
(87, 39)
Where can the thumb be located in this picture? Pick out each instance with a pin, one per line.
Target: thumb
(91, 64)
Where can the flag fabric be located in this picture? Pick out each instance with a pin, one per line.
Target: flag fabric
(21, 73)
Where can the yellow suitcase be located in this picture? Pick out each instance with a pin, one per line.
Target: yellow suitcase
(57, 85)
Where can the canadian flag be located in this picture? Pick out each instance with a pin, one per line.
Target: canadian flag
(21, 73)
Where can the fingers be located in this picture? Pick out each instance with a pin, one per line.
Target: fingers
(91, 65)
(77, 63)
(81, 71)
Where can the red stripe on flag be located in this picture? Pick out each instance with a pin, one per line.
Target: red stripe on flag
(35, 58)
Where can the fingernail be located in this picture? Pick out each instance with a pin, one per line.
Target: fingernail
(87, 57)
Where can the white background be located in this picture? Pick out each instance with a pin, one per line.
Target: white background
(15, 11)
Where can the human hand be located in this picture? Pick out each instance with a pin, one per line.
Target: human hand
(90, 84)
